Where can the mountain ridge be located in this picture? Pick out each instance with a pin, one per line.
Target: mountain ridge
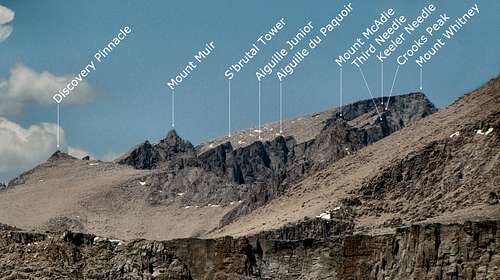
(411, 194)
(327, 189)
(213, 190)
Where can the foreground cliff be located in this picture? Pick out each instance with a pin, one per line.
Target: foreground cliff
(433, 251)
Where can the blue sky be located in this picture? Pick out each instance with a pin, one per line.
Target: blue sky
(132, 101)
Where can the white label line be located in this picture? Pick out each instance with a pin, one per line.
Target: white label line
(369, 91)
(259, 112)
(421, 80)
(281, 108)
(341, 92)
(382, 82)
(173, 108)
(392, 87)
(58, 128)
(229, 108)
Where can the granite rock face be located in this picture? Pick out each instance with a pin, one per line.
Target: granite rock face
(439, 178)
(171, 152)
(341, 136)
(432, 251)
(263, 170)
(26, 255)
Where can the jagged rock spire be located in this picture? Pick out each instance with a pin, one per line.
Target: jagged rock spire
(170, 151)
(58, 155)
(172, 134)
(173, 139)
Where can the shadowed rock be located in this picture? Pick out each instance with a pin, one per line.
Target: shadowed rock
(314, 249)
(265, 169)
(171, 152)
(58, 155)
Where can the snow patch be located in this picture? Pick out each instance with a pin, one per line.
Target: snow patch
(455, 134)
(116, 242)
(324, 216)
(94, 164)
(142, 183)
(480, 131)
(180, 194)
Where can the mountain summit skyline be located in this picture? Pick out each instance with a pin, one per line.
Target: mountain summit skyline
(127, 94)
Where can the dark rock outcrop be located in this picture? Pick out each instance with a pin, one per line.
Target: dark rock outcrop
(58, 155)
(341, 136)
(4, 227)
(263, 170)
(172, 152)
(215, 160)
(81, 256)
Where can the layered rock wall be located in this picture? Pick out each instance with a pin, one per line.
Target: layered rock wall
(435, 251)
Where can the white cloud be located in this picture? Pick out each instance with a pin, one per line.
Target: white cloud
(6, 16)
(28, 86)
(21, 148)
(5, 32)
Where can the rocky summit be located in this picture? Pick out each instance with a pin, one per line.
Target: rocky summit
(258, 172)
(170, 153)
(357, 192)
